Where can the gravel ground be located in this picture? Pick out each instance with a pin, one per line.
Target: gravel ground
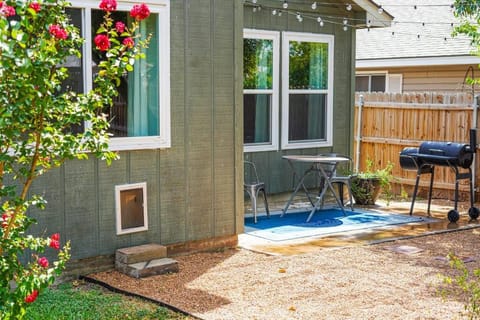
(379, 281)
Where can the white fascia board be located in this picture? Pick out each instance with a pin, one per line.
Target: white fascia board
(376, 18)
(415, 62)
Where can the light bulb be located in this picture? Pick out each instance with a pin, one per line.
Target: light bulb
(319, 19)
(322, 23)
(299, 17)
(279, 13)
(380, 10)
(274, 12)
(349, 7)
(254, 9)
(285, 4)
(345, 28)
(314, 5)
(254, 1)
(345, 21)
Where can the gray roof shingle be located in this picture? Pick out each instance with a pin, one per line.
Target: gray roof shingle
(404, 43)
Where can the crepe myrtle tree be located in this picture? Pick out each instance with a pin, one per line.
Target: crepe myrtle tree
(469, 13)
(39, 123)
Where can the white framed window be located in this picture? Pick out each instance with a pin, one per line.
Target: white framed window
(307, 90)
(378, 81)
(131, 208)
(260, 90)
(140, 115)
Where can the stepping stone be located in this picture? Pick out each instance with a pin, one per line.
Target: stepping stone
(140, 253)
(144, 261)
(405, 249)
(148, 268)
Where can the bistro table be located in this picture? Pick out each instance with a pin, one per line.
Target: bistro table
(324, 167)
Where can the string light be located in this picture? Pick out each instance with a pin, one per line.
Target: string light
(349, 7)
(347, 22)
(380, 10)
(314, 6)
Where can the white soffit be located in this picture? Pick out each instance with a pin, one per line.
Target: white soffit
(413, 62)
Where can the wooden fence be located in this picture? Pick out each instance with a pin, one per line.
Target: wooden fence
(391, 122)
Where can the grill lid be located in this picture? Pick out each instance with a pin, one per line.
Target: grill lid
(446, 153)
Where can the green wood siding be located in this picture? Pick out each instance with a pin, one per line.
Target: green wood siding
(193, 188)
(272, 169)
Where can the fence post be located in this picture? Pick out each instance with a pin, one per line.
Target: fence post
(359, 133)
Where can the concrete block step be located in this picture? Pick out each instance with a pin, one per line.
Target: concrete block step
(145, 252)
(148, 268)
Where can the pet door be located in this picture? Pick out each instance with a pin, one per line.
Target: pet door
(131, 208)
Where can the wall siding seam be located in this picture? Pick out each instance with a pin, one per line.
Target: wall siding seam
(185, 112)
(212, 93)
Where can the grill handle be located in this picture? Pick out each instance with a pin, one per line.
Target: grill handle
(473, 140)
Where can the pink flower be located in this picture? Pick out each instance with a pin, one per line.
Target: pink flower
(35, 6)
(128, 42)
(108, 5)
(102, 42)
(120, 26)
(43, 262)
(55, 241)
(140, 11)
(5, 217)
(32, 296)
(54, 244)
(6, 11)
(57, 31)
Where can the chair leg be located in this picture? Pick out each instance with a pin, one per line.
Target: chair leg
(254, 206)
(349, 187)
(266, 203)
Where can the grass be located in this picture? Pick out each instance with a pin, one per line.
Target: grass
(81, 301)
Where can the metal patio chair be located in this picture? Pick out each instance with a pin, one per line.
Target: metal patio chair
(341, 180)
(252, 185)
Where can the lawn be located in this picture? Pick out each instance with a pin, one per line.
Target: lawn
(80, 301)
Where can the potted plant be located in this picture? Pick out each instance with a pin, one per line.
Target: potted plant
(369, 184)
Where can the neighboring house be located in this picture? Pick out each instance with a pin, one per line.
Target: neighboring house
(417, 52)
(179, 121)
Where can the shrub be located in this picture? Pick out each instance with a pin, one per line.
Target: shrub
(38, 126)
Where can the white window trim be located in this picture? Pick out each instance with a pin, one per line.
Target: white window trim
(310, 37)
(388, 77)
(118, 207)
(274, 119)
(162, 9)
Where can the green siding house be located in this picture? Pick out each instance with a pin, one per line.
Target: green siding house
(224, 81)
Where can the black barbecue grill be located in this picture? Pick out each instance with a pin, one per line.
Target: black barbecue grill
(447, 154)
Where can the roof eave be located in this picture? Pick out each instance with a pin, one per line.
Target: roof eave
(374, 18)
(417, 61)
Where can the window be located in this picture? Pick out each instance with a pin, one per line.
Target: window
(140, 115)
(307, 90)
(260, 90)
(378, 82)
